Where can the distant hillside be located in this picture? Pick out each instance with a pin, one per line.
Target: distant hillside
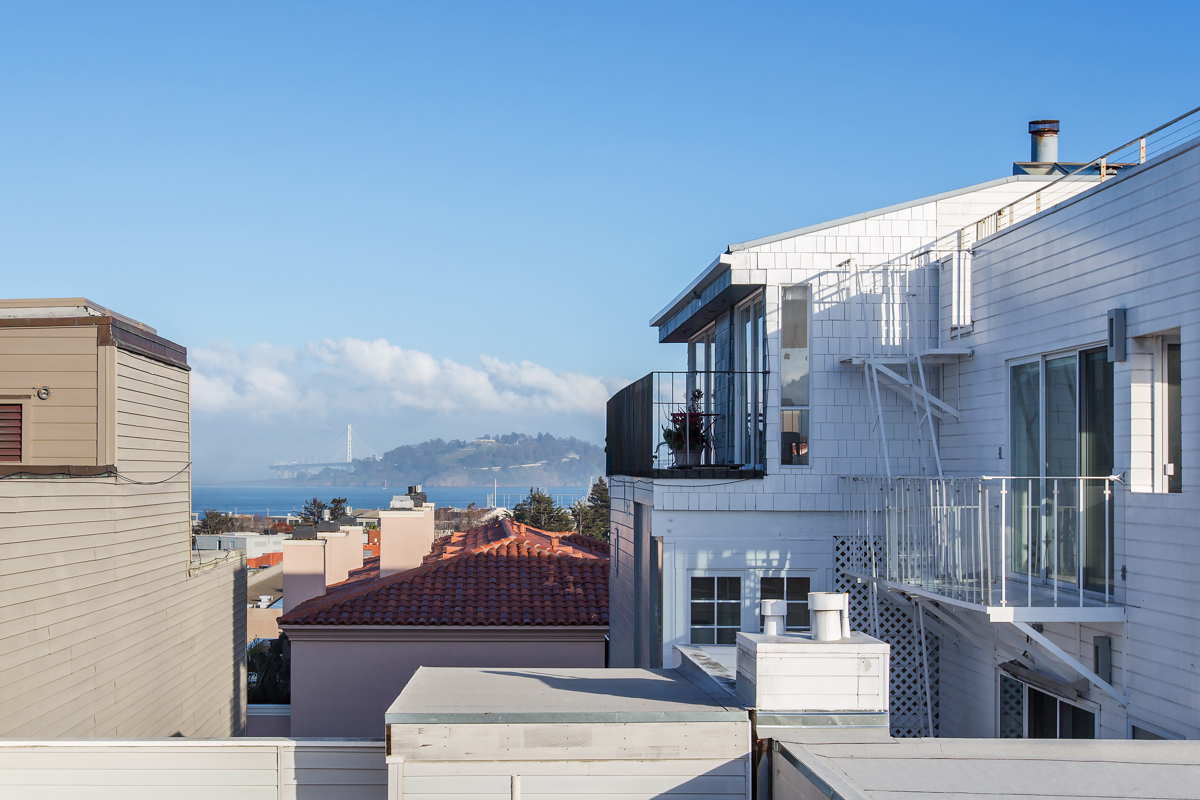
(512, 460)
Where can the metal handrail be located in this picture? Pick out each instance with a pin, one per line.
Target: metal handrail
(956, 536)
(709, 409)
(1037, 194)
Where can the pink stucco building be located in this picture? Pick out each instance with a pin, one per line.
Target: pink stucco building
(501, 595)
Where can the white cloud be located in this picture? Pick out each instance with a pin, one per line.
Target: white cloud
(266, 381)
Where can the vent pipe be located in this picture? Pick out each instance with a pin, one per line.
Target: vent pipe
(830, 615)
(1043, 141)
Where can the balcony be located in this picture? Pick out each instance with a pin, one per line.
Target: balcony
(1017, 549)
(688, 425)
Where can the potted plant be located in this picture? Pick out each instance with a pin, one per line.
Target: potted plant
(687, 435)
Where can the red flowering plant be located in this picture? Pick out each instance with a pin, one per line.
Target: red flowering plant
(688, 431)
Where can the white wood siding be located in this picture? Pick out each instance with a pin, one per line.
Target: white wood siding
(1046, 285)
(689, 779)
(246, 769)
(614, 760)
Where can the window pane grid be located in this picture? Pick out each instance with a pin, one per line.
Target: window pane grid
(793, 589)
(716, 610)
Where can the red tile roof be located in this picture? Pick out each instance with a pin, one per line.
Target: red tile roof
(502, 573)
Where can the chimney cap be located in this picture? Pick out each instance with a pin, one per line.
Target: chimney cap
(1043, 126)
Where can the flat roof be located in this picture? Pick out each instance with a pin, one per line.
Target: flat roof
(445, 695)
(36, 307)
(970, 769)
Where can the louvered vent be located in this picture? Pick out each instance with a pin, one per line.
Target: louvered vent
(10, 432)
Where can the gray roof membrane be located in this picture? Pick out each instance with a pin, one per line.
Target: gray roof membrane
(958, 769)
(443, 695)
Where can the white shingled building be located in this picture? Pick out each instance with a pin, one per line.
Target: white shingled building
(949, 407)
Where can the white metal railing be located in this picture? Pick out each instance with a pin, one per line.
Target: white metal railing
(990, 541)
(1132, 153)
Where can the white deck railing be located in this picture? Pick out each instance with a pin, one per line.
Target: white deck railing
(968, 539)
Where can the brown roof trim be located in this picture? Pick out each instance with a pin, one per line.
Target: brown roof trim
(56, 471)
(114, 332)
(150, 345)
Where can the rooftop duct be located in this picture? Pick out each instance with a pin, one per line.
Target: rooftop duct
(1043, 141)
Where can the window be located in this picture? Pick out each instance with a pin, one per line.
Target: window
(1029, 713)
(10, 432)
(751, 390)
(793, 375)
(793, 589)
(1173, 413)
(716, 610)
(1061, 418)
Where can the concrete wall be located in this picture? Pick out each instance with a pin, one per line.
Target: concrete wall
(343, 552)
(268, 720)
(105, 630)
(405, 537)
(182, 769)
(344, 679)
(262, 623)
(304, 571)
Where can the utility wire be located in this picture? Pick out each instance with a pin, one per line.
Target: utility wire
(112, 474)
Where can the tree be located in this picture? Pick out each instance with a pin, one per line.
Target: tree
(595, 520)
(214, 521)
(337, 508)
(540, 511)
(268, 671)
(591, 515)
(312, 510)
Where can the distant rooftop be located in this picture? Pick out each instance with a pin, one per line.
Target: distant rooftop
(498, 574)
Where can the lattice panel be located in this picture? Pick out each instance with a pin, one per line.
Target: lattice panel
(896, 627)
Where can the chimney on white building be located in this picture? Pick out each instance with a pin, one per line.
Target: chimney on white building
(1043, 140)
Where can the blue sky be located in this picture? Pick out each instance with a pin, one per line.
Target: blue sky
(456, 218)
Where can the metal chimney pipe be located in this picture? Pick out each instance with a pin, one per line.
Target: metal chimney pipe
(1043, 140)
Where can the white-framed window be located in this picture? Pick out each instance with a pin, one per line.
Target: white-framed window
(715, 609)
(750, 434)
(795, 324)
(790, 587)
(1139, 729)
(1168, 415)
(1027, 712)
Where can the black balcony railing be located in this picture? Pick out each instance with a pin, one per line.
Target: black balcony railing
(688, 424)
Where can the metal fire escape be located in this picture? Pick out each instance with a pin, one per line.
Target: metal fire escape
(896, 320)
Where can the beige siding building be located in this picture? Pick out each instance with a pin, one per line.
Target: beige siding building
(108, 627)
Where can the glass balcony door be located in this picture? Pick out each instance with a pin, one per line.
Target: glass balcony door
(1061, 422)
(749, 438)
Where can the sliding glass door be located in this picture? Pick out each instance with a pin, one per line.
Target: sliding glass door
(1061, 418)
